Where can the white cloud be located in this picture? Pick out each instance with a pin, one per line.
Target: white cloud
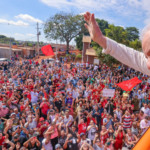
(142, 6)
(90, 5)
(146, 5)
(19, 35)
(30, 34)
(16, 23)
(28, 18)
(136, 3)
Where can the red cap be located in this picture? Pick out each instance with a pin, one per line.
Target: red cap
(41, 119)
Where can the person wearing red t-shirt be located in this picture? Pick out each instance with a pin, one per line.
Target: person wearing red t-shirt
(37, 63)
(26, 92)
(56, 92)
(42, 126)
(89, 118)
(103, 102)
(9, 92)
(81, 126)
(2, 139)
(44, 107)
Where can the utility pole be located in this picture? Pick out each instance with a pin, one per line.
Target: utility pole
(10, 49)
(56, 49)
(38, 33)
(82, 49)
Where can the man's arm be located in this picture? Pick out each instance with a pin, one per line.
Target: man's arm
(125, 55)
(12, 145)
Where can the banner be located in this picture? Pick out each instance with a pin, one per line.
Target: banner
(108, 92)
(129, 84)
(47, 50)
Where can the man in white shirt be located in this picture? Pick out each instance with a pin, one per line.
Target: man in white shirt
(46, 143)
(144, 124)
(68, 119)
(128, 56)
(34, 96)
(145, 109)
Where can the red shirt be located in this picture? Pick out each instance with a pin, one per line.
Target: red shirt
(2, 141)
(1, 98)
(8, 93)
(82, 128)
(44, 108)
(46, 124)
(88, 120)
(104, 103)
(31, 87)
(28, 95)
(1, 81)
(36, 62)
(30, 62)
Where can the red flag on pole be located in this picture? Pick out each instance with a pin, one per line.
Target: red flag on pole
(47, 50)
(129, 84)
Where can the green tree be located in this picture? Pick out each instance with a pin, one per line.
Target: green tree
(117, 33)
(132, 33)
(103, 25)
(78, 41)
(136, 44)
(64, 27)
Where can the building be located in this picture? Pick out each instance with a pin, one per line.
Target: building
(28, 51)
(89, 54)
(7, 52)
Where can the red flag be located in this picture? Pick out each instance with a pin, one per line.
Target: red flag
(129, 84)
(47, 50)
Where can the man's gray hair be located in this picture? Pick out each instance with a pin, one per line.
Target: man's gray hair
(144, 31)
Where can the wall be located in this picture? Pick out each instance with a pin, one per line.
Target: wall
(4, 53)
(85, 46)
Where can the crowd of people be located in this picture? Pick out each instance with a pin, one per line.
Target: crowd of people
(53, 106)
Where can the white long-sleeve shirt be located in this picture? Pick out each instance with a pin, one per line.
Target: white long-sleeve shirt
(127, 56)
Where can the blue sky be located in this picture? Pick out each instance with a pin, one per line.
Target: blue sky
(18, 18)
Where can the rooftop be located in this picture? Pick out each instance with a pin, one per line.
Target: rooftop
(86, 39)
(91, 52)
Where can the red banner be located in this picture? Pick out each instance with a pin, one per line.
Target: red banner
(129, 84)
(47, 50)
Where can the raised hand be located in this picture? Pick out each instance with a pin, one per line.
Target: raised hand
(94, 29)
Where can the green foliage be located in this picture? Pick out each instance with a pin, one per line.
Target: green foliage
(78, 41)
(29, 44)
(116, 33)
(103, 25)
(79, 56)
(132, 33)
(64, 27)
(136, 44)
(67, 55)
(6, 40)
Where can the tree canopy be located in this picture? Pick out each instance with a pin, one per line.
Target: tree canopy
(64, 27)
(132, 33)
